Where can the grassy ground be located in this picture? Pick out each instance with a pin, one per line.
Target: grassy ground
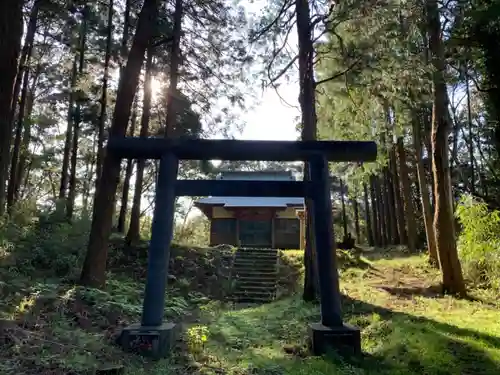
(407, 327)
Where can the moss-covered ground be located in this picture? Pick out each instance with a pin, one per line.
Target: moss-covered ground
(51, 326)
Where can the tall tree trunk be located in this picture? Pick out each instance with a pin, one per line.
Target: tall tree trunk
(88, 178)
(391, 206)
(94, 268)
(26, 53)
(122, 217)
(382, 222)
(11, 32)
(104, 94)
(125, 36)
(375, 221)
(344, 214)
(424, 194)
(18, 139)
(454, 147)
(426, 119)
(471, 143)
(307, 100)
(121, 61)
(24, 70)
(20, 136)
(368, 220)
(175, 60)
(444, 226)
(398, 200)
(70, 203)
(382, 183)
(408, 201)
(133, 234)
(24, 152)
(418, 198)
(356, 219)
(69, 130)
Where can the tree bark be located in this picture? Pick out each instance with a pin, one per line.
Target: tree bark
(133, 234)
(409, 208)
(470, 142)
(11, 32)
(88, 178)
(424, 194)
(382, 187)
(70, 203)
(368, 220)
(23, 65)
(380, 212)
(444, 226)
(69, 131)
(356, 219)
(344, 214)
(399, 206)
(94, 268)
(104, 94)
(24, 152)
(122, 59)
(122, 217)
(125, 36)
(24, 71)
(391, 206)
(18, 139)
(175, 60)
(307, 100)
(375, 216)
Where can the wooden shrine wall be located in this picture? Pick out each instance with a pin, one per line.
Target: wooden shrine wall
(255, 226)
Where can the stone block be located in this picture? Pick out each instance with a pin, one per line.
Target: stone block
(345, 339)
(153, 342)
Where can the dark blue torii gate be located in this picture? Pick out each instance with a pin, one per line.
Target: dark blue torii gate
(155, 336)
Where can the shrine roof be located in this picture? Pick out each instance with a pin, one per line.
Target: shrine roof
(254, 201)
(251, 201)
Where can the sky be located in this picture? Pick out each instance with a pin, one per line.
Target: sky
(275, 115)
(273, 118)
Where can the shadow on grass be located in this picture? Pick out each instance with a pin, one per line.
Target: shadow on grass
(424, 345)
(378, 253)
(393, 342)
(433, 291)
(410, 292)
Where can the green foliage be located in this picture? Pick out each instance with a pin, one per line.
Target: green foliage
(398, 337)
(197, 336)
(195, 231)
(479, 242)
(44, 244)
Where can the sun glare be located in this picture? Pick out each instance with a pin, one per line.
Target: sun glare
(156, 88)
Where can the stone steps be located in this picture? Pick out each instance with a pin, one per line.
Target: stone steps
(254, 275)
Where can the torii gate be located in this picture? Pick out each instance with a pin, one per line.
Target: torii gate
(155, 337)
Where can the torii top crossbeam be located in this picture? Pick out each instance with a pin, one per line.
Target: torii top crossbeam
(228, 149)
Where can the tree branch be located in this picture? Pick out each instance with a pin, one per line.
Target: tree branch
(272, 80)
(287, 4)
(340, 74)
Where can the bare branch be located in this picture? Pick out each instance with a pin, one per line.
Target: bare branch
(283, 71)
(287, 4)
(277, 52)
(340, 74)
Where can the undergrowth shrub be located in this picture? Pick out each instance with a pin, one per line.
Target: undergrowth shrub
(195, 231)
(479, 242)
(44, 243)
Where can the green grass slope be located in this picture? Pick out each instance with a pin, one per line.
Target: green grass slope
(50, 326)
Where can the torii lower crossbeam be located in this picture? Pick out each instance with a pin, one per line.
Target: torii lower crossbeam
(152, 331)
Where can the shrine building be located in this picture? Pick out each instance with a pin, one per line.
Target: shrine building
(264, 222)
